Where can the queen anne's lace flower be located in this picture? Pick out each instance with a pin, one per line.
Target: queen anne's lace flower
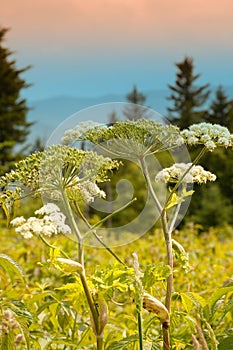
(196, 174)
(51, 223)
(210, 135)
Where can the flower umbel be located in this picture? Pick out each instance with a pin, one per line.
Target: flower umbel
(174, 174)
(52, 223)
(209, 135)
(72, 135)
(134, 139)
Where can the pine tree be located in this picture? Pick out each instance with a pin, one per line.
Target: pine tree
(186, 97)
(221, 110)
(112, 118)
(13, 109)
(135, 111)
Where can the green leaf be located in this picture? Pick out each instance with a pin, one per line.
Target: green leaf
(194, 298)
(11, 267)
(24, 330)
(155, 273)
(187, 193)
(218, 294)
(124, 343)
(21, 311)
(226, 344)
(228, 307)
(174, 201)
(187, 302)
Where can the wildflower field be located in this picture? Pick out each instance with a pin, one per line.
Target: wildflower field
(73, 278)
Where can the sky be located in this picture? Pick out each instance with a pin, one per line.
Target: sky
(99, 47)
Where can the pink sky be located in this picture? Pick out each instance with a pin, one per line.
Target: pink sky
(91, 33)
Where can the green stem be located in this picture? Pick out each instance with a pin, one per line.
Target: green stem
(140, 332)
(106, 218)
(149, 184)
(168, 242)
(91, 229)
(99, 342)
(74, 227)
(90, 300)
(109, 249)
(82, 275)
(53, 246)
(171, 227)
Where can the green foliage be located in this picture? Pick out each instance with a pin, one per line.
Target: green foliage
(13, 108)
(79, 297)
(221, 110)
(59, 315)
(11, 267)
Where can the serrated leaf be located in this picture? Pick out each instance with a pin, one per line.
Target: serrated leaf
(76, 286)
(21, 310)
(187, 302)
(195, 298)
(155, 273)
(11, 267)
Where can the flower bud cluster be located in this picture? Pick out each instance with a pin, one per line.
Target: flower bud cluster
(52, 223)
(8, 322)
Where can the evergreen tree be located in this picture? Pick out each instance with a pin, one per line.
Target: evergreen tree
(13, 109)
(186, 97)
(112, 118)
(221, 110)
(135, 111)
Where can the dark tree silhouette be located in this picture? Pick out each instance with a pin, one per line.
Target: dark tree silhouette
(187, 99)
(13, 108)
(135, 111)
(221, 110)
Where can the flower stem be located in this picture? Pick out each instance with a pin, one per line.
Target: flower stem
(92, 229)
(82, 275)
(168, 242)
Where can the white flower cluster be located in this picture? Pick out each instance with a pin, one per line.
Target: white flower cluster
(51, 223)
(210, 135)
(90, 190)
(72, 135)
(174, 174)
(87, 189)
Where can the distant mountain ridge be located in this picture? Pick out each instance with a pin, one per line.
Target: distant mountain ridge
(49, 113)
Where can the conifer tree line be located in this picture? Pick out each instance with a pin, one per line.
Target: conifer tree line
(188, 103)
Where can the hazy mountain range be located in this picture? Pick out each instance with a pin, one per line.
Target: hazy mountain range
(49, 113)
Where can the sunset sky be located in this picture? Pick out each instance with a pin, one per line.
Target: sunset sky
(97, 47)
